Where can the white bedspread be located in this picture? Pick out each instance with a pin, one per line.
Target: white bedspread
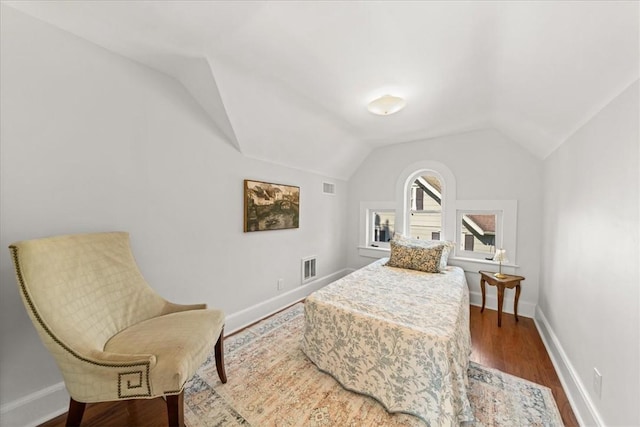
(400, 336)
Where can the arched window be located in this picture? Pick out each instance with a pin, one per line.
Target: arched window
(426, 207)
(425, 219)
(428, 191)
(425, 201)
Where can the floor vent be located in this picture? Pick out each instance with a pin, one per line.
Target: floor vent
(308, 269)
(328, 188)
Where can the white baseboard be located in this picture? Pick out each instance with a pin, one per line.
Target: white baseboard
(35, 408)
(579, 399)
(48, 403)
(525, 308)
(246, 317)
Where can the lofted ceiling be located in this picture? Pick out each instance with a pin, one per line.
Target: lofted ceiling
(288, 82)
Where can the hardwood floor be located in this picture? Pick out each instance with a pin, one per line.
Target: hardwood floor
(515, 348)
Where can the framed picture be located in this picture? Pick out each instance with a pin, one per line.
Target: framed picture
(270, 206)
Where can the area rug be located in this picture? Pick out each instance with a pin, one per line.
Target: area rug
(272, 383)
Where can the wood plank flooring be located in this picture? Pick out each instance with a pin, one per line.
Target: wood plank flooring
(515, 348)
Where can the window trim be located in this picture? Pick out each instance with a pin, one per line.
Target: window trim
(371, 228)
(499, 232)
(506, 227)
(403, 196)
(450, 207)
(366, 211)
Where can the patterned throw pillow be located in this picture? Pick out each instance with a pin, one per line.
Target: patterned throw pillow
(446, 250)
(415, 257)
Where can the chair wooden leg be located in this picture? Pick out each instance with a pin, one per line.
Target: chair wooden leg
(175, 409)
(76, 411)
(220, 358)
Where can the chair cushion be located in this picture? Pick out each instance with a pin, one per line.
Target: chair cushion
(180, 341)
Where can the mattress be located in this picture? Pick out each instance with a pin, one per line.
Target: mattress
(399, 336)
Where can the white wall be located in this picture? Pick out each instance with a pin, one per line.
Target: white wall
(589, 298)
(92, 141)
(486, 166)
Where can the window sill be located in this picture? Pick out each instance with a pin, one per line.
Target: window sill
(473, 264)
(373, 252)
(467, 264)
(481, 261)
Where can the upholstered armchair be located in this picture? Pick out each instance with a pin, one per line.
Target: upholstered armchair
(111, 335)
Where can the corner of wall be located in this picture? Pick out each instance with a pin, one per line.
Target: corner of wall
(583, 408)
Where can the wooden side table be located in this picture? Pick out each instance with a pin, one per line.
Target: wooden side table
(508, 281)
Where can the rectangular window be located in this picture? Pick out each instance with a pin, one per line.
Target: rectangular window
(478, 233)
(377, 227)
(382, 227)
(482, 226)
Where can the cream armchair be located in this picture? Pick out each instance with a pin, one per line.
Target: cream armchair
(111, 335)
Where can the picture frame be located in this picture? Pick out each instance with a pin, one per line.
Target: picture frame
(270, 206)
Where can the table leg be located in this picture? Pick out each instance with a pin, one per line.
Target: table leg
(500, 300)
(482, 286)
(515, 304)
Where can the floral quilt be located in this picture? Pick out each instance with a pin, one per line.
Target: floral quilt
(400, 336)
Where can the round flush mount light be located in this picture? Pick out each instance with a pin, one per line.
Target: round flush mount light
(386, 105)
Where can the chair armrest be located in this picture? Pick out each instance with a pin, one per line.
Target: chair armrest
(96, 376)
(170, 307)
(106, 358)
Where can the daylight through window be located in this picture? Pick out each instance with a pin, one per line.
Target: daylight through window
(383, 227)
(425, 221)
(478, 233)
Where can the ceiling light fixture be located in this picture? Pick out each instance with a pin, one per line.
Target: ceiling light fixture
(386, 105)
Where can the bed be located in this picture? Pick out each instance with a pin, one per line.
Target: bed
(400, 336)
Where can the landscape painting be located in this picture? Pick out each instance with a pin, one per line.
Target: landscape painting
(270, 206)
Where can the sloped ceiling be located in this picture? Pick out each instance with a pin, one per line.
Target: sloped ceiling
(289, 82)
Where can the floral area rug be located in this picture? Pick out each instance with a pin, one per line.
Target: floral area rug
(272, 383)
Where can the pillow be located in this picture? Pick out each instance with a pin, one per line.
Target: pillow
(446, 251)
(415, 257)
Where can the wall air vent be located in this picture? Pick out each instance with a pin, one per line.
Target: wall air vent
(308, 269)
(328, 188)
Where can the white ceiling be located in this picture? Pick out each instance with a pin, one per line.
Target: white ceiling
(289, 82)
